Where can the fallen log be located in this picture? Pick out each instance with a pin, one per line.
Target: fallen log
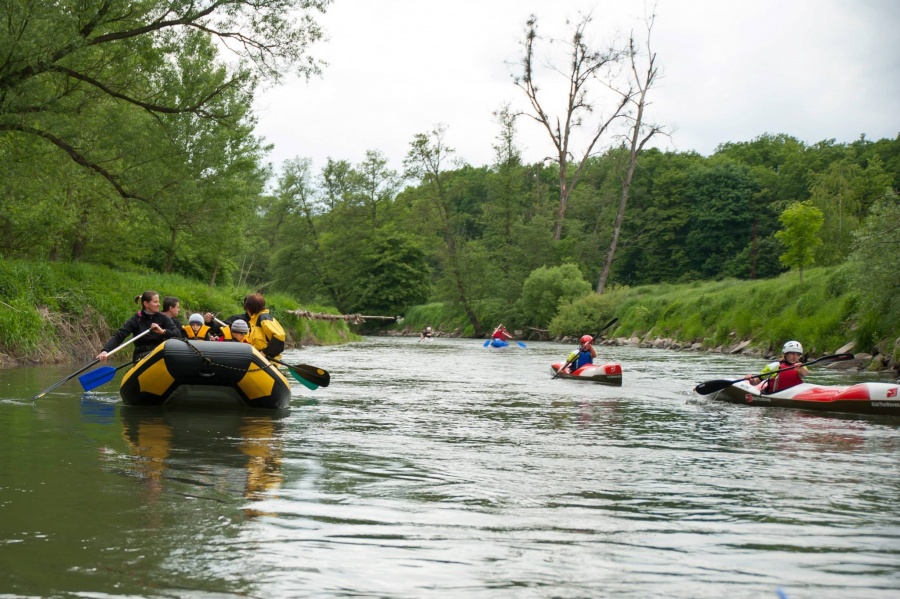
(350, 318)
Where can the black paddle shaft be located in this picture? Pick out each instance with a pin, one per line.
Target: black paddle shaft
(712, 386)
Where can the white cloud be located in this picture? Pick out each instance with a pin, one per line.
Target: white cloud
(733, 71)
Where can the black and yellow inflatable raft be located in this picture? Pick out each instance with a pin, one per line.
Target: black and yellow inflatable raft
(182, 372)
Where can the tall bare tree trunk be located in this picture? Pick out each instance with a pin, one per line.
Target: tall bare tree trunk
(636, 145)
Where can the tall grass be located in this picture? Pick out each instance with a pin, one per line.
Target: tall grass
(818, 312)
(821, 313)
(57, 312)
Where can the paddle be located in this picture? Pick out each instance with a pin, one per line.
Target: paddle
(310, 376)
(491, 338)
(100, 376)
(717, 385)
(566, 365)
(97, 361)
(317, 377)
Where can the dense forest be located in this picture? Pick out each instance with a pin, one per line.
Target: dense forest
(127, 140)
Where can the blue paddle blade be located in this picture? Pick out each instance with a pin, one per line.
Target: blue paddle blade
(521, 344)
(488, 342)
(95, 378)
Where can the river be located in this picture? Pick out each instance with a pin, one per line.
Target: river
(446, 469)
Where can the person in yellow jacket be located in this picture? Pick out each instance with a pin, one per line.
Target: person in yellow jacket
(195, 329)
(266, 334)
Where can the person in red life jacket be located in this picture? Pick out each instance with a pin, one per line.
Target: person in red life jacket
(584, 355)
(149, 318)
(791, 370)
(501, 333)
(196, 329)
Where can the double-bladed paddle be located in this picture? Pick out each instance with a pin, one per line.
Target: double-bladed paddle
(491, 338)
(606, 326)
(717, 385)
(97, 361)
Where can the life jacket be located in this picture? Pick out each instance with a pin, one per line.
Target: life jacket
(501, 334)
(579, 358)
(266, 334)
(783, 380)
(584, 358)
(202, 332)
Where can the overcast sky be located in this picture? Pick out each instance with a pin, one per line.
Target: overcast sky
(814, 69)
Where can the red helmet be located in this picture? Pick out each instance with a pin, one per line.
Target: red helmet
(587, 339)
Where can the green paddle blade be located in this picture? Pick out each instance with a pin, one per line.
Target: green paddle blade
(307, 374)
(303, 381)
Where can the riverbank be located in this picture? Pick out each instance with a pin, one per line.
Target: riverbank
(730, 316)
(53, 313)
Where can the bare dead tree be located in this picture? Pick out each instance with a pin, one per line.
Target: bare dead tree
(640, 134)
(588, 70)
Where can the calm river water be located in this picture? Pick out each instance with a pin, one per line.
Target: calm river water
(446, 469)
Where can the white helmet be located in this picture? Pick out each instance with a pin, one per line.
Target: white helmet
(427, 328)
(792, 347)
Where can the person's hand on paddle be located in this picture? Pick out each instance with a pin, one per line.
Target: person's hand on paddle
(154, 328)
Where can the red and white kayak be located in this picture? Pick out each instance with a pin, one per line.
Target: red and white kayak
(606, 374)
(862, 398)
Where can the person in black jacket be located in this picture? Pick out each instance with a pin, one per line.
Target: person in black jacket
(171, 307)
(149, 318)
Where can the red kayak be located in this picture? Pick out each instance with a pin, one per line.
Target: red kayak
(605, 374)
(862, 398)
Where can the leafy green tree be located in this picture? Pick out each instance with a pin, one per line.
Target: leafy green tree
(874, 266)
(545, 288)
(393, 276)
(426, 162)
(720, 192)
(66, 63)
(801, 222)
(844, 192)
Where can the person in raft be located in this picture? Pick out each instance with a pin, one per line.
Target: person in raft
(426, 332)
(171, 307)
(501, 333)
(149, 318)
(585, 354)
(792, 370)
(266, 334)
(240, 331)
(196, 329)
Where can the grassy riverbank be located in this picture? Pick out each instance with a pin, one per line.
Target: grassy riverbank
(53, 312)
(822, 312)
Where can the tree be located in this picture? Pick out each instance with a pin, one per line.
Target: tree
(874, 267)
(584, 76)
(641, 133)
(67, 61)
(801, 222)
(377, 184)
(545, 288)
(425, 162)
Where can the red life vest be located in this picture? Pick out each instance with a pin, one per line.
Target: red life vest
(784, 380)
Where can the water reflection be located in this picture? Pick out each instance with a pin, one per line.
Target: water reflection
(205, 455)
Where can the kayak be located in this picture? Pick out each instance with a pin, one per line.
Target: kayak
(207, 373)
(605, 374)
(498, 343)
(862, 398)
